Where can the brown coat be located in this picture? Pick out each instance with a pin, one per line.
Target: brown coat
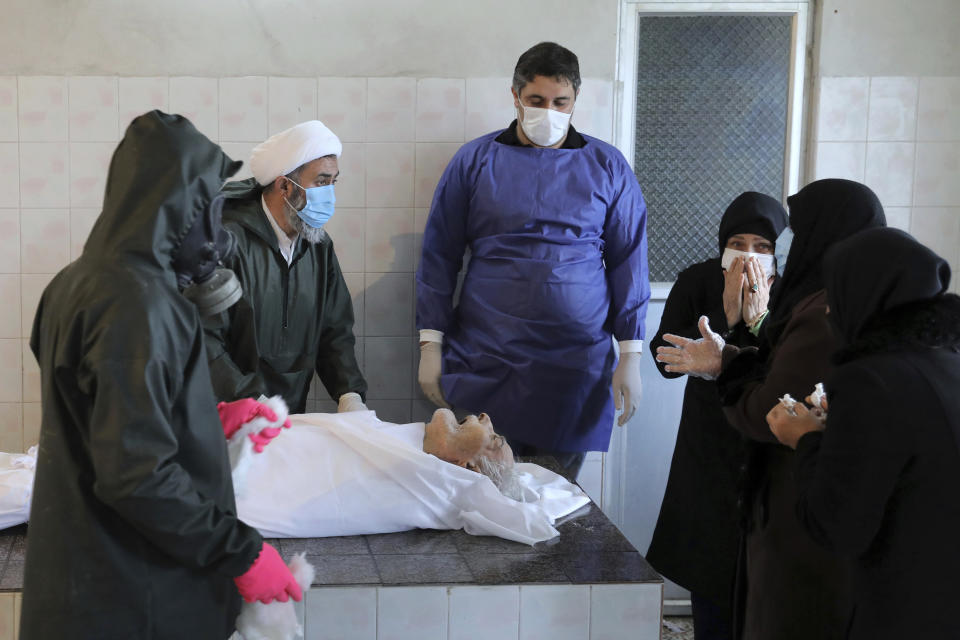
(793, 589)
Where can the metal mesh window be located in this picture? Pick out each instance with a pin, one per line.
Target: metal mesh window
(711, 123)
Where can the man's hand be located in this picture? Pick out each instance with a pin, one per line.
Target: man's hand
(350, 402)
(627, 386)
(789, 429)
(700, 358)
(733, 284)
(428, 375)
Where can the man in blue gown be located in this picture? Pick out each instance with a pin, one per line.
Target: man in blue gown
(556, 228)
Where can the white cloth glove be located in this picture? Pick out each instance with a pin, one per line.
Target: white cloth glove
(350, 402)
(627, 387)
(428, 375)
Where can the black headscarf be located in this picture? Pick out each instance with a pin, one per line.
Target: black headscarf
(821, 214)
(752, 212)
(876, 271)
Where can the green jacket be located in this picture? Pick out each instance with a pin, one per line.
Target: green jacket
(292, 320)
(133, 528)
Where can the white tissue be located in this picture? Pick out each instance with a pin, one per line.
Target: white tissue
(277, 620)
(817, 395)
(788, 402)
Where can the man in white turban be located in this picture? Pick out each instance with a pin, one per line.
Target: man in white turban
(296, 315)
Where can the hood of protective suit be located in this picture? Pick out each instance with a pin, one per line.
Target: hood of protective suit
(163, 174)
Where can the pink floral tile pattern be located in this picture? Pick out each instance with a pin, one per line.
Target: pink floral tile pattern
(889, 172)
(347, 229)
(243, 109)
(42, 108)
(432, 159)
(8, 109)
(489, 106)
(10, 311)
(388, 302)
(390, 174)
(11, 439)
(841, 160)
(342, 106)
(939, 117)
(9, 175)
(31, 288)
(893, 109)
(89, 163)
(44, 240)
(391, 104)
(197, 99)
(44, 175)
(81, 223)
(94, 109)
(351, 186)
(389, 240)
(843, 109)
(10, 241)
(291, 101)
(440, 110)
(938, 165)
(139, 95)
(387, 365)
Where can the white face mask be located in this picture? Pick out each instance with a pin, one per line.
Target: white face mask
(544, 127)
(765, 259)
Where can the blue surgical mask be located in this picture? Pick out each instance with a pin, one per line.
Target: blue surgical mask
(782, 249)
(319, 207)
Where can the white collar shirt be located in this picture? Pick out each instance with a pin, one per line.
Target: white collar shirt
(286, 243)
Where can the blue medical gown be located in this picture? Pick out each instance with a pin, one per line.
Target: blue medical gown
(558, 263)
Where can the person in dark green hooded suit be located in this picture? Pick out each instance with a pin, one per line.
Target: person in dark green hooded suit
(296, 314)
(133, 529)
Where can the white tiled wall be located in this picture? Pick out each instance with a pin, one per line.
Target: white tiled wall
(57, 135)
(901, 137)
(526, 612)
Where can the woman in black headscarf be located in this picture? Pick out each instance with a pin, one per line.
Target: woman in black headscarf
(788, 586)
(880, 484)
(696, 539)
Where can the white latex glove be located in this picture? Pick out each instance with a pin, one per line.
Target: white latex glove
(428, 375)
(350, 402)
(627, 387)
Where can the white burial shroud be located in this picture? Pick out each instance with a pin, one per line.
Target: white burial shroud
(349, 473)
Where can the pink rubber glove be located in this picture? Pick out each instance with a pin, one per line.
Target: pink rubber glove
(268, 579)
(234, 415)
(265, 435)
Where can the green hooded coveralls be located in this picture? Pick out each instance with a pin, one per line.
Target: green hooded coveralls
(133, 531)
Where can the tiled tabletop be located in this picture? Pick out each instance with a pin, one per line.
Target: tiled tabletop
(589, 550)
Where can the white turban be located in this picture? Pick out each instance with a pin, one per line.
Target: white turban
(282, 153)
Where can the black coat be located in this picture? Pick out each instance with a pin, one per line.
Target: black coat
(696, 538)
(133, 528)
(292, 320)
(882, 484)
(789, 587)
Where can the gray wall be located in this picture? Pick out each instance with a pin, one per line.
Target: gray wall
(419, 38)
(889, 38)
